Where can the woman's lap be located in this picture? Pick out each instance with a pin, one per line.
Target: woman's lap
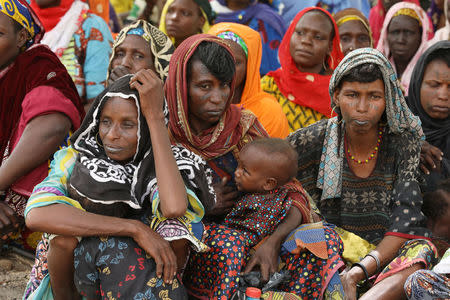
(123, 269)
(426, 284)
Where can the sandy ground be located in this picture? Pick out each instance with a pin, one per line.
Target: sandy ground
(14, 274)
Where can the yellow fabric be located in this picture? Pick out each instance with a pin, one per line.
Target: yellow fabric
(355, 248)
(162, 20)
(122, 6)
(408, 12)
(297, 116)
(10, 9)
(263, 105)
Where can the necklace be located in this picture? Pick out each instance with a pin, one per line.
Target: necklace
(372, 155)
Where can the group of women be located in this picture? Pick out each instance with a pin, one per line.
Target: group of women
(140, 185)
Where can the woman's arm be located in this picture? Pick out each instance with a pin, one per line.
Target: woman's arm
(172, 191)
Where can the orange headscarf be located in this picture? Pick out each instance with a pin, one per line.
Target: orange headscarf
(263, 105)
(306, 89)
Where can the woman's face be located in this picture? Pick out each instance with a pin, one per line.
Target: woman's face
(389, 3)
(207, 97)
(403, 37)
(353, 35)
(183, 19)
(118, 129)
(311, 41)
(134, 54)
(435, 90)
(241, 62)
(362, 104)
(11, 40)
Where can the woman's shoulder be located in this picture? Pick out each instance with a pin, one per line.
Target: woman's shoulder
(312, 135)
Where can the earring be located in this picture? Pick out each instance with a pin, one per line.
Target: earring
(96, 140)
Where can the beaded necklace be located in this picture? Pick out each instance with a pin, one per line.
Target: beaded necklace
(372, 155)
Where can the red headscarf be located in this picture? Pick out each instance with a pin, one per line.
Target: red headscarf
(236, 126)
(302, 88)
(376, 18)
(52, 15)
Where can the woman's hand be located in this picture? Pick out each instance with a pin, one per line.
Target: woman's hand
(159, 249)
(151, 93)
(226, 197)
(116, 73)
(349, 284)
(266, 257)
(9, 220)
(430, 158)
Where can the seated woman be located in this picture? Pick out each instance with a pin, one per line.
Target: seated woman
(198, 92)
(429, 99)
(378, 13)
(80, 39)
(309, 52)
(361, 167)
(260, 17)
(246, 45)
(182, 18)
(121, 161)
(35, 118)
(404, 36)
(354, 30)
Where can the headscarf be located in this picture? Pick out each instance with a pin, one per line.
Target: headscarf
(352, 14)
(443, 34)
(383, 44)
(376, 18)
(235, 128)
(437, 132)
(100, 179)
(160, 45)
(35, 66)
(51, 16)
(20, 12)
(306, 89)
(263, 105)
(255, 9)
(205, 8)
(399, 118)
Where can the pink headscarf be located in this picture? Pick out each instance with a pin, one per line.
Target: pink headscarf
(427, 34)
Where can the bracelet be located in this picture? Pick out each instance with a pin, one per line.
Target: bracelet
(374, 256)
(363, 268)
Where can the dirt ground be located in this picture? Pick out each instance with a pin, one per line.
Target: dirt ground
(14, 274)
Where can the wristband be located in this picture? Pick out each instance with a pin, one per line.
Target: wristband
(374, 256)
(363, 268)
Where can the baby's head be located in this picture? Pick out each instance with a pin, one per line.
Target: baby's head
(265, 164)
(436, 206)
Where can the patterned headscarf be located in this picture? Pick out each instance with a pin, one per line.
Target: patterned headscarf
(160, 45)
(21, 13)
(102, 180)
(399, 118)
(229, 35)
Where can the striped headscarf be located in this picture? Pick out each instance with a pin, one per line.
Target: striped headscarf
(160, 45)
(399, 118)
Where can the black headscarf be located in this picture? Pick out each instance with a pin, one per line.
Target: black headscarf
(103, 181)
(437, 131)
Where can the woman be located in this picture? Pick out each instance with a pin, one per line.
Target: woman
(182, 18)
(260, 17)
(443, 34)
(309, 52)
(354, 30)
(202, 118)
(246, 45)
(430, 100)
(80, 39)
(361, 168)
(139, 46)
(33, 126)
(378, 13)
(124, 136)
(404, 36)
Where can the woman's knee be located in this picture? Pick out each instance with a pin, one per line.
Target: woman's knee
(63, 243)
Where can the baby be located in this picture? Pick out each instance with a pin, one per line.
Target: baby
(265, 173)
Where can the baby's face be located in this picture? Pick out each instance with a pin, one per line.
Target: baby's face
(441, 226)
(251, 173)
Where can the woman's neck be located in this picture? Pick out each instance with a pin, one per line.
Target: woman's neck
(362, 144)
(314, 69)
(400, 67)
(237, 5)
(238, 94)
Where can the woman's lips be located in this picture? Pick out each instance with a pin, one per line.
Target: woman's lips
(361, 122)
(303, 52)
(442, 109)
(112, 149)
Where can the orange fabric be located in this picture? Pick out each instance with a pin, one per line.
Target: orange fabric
(263, 105)
(100, 8)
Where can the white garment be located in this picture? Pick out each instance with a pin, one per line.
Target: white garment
(59, 37)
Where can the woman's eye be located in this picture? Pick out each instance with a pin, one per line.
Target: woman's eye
(318, 37)
(105, 122)
(138, 56)
(185, 13)
(120, 54)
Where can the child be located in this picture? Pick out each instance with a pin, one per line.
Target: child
(265, 174)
